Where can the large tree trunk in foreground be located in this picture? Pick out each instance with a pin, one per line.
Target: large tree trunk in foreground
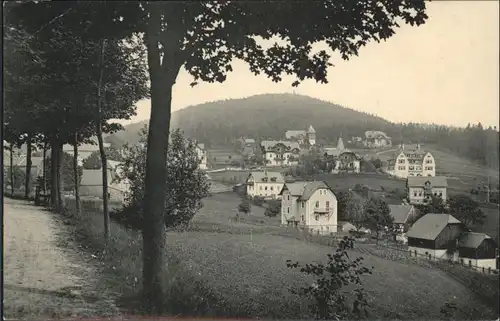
(28, 169)
(154, 232)
(76, 176)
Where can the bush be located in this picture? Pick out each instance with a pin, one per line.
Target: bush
(245, 207)
(273, 209)
(330, 302)
(258, 200)
(186, 184)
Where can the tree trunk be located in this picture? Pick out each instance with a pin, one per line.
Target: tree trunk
(11, 170)
(28, 169)
(60, 178)
(44, 167)
(53, 175)
(105, 193)
(104, 167)
(163, 72)
(76, 176)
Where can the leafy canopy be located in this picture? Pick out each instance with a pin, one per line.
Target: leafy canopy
(206, 36)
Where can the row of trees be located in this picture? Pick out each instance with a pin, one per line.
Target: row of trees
(202, 37)
(64, 87)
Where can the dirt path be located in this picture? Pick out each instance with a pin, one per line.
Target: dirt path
(44, 276)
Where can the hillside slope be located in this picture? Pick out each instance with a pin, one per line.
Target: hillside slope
(269, 115)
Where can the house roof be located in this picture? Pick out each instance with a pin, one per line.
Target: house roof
(311, 129)
(419, 181)
(269, 144)
(294, 133)
(472, 240)
(430, 225)
(258, 176)
(375, 133)
(400, 213)
(249, 140)
(304, 190)
(201, 146)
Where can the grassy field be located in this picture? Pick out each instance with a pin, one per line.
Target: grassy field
(249, 269)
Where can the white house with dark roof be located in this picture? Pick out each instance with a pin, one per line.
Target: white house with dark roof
(420, 190)
(433, 235)
(407, 162)
(377, 139)
(477, 250)
(91, 183)
(280, 153)
(265, 184)
(345, 160)
(309, 204)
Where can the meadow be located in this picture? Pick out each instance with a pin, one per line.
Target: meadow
(245, 262)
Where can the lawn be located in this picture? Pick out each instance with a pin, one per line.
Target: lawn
(249, 269)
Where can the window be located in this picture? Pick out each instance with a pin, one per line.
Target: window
(288, 197)
(419, 193)
(317, 204)
(401, 161)
(265, 188)
(271, 188)
(288, 209)
(302, 218)
(440, 193)
(316, 217)
(302, 204)
(415, 194)
(327, 204)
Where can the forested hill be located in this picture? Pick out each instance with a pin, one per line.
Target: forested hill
(219, 123)
(261, 116)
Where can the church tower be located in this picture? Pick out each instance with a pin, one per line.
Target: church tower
(311, 135)
(340, 144)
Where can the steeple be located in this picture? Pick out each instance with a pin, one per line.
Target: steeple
(340, 143)
(311, 130)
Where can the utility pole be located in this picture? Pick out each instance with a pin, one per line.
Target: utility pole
(488, 191)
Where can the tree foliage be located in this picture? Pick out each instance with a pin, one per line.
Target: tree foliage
(466, 210)
(67, 172)
(378, 215)
(187, 184)
(330, 300)
(245, 206)
(273, 209)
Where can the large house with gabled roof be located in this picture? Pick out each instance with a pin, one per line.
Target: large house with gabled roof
(345, 160)
(404, 215)
(309, 204)
(266, 184)
(280, 153)
(420, 190)
(407, 162)
(477, 250)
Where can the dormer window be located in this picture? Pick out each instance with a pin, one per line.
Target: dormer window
(273, 179)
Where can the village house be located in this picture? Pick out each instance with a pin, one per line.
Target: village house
(91, 183)
(247, 147)
(434, 236)
(265, 184)
(404, 215)
(84, 150)
(477, 250)
(376, 139)
(344, 159)
(411, 162)
(310, 204)
(303, 137)
(420, 190)
(280, 153)
(202, 155)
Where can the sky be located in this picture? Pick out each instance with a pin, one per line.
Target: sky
(445, 71)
